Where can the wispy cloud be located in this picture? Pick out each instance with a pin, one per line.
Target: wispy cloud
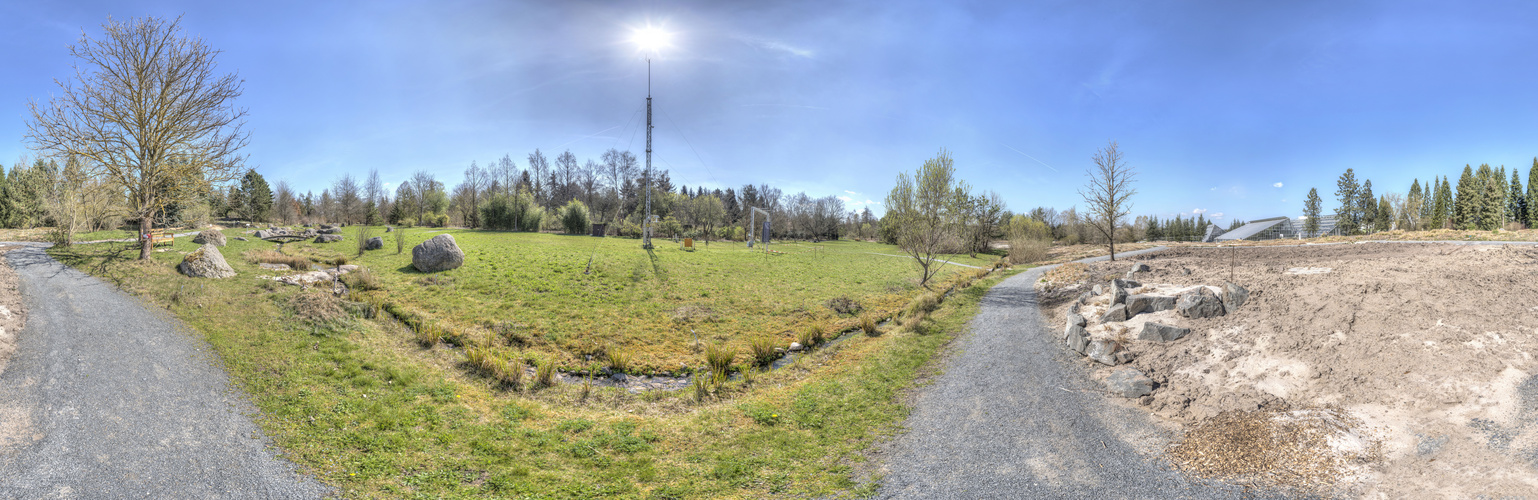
(1218, 215)
(846, 199)
(1199, 211)
(778, 46)
(1277, 185)
(851, 192)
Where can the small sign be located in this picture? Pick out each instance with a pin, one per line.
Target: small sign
(689, 243)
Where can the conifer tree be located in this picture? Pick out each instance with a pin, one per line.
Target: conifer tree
(1428, 203)
(1384, 219)
(1412, 206)
(1516, 199)
(1464, 199)
(1486, 212)
(1498, 179)
(1367, 207)
(1532, 196)
(1346, 215)
(1446, 215)
(1311, 213)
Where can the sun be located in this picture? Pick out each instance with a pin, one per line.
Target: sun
(651, 39)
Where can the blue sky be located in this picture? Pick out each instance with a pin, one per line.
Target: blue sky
(1229, 107)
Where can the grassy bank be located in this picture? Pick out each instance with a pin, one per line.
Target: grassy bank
(360, 404)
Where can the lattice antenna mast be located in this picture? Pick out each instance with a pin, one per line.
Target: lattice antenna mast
(647, 225)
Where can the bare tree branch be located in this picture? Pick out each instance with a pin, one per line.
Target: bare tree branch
(1109, 193)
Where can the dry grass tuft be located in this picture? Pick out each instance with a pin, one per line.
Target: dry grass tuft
(868, 325)
(317, 307)
(763, 351)
(813, 336)
(361, 280)
(272, 257)
(619, 360)
(719, 358)
(544, 372)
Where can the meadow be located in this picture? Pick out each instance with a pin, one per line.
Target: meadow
(349, 394)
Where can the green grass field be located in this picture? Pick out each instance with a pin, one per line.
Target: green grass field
(357, 402)
(538, 294)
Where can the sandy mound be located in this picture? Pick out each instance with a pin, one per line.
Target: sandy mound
(1427, 349)
(13, 314)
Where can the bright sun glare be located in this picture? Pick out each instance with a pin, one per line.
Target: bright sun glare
(651, 39)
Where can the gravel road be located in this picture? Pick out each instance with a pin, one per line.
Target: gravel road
(107, 398)
(1013, 416)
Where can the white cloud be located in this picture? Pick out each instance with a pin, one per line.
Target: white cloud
(868, 202)
(1213, 189)
(1199, 211)
(1218, 215)
(851, 192)
(846, 199)
(778, 46)
(1277, 185)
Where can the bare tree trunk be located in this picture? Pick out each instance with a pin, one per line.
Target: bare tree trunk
(145, 243)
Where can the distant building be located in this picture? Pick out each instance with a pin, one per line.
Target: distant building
(1326, 226)
(1263, 229)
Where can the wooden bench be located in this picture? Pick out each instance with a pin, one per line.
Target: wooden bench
(158, 236)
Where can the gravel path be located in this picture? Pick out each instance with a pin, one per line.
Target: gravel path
(107, 399)
(1013, 416)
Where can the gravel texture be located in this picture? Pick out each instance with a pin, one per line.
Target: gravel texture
(1014, 415)
(107, 398)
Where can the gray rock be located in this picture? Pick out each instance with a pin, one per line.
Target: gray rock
(1137, 267)
(1199, 304)
(389, 229)
(618, 377)
(274, 267)
(328, 238)
(374, 243)
(206, 262)
(1143, 303)
(1124, 356)
(1103, 352)
(1077, 339)
(330, 230)
(1129, 383)
(209, 236)
(437, 254)
(1074, 308)
(1119, 290)
(1234, 296)
(795, 346)
(1074, 319)
(1161, 333)
(266, 233)
(1097, 290)
(1116, 313)
(1084, 297)
(241, 238)
(327, 226)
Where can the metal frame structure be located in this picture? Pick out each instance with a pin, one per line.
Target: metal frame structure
(753, 225)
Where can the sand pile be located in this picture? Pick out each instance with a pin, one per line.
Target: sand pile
(1428, 349)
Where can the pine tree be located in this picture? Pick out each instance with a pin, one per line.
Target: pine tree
(1384, 219)
(1532, 196)
(1428, 202)
(1346, 190)
(1367, 206)
(1447, 204)
(1516, 199)
(1464, 200)
(1500, 200)
(1487, 199)
(1311, 213)
(256, 195)
(1412, 206)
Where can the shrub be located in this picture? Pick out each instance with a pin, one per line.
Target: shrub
(923, 304)
(427, 335)
(574, 217)
(763, 351)
(273, 257)
(1027, 250)
(719, 358)
(364, 233)
(400, 239)
(510, 372)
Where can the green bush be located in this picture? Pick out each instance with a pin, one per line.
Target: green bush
(516, 212)
(574, 217)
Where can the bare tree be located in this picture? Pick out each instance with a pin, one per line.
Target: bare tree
(285, 207)
(924, 210)
(563, 179)
(149, 113)
(1109, 193)
(507, 175)
(345, 190)
(469, 194)
(425, 185)
(539, 167)
(373, 194)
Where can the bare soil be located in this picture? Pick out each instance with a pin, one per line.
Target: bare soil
(13, 313)
(1427, 348)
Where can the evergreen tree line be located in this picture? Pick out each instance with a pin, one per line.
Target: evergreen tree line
(1484, 198)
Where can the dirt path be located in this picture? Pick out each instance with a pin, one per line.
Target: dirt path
(107, 399)
(1013, 416)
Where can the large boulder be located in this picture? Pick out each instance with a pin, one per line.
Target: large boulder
(1119, 290)
(330, 230)
(1161, 333)
(1103, 352)
(1137, 267)
(1234, 296)
(389, 229)
(437, 254)
(266, 233)
(1116, 313)
(209, 236)
(328, 238)
(1076, 338)
(1077, 319)
(374, 243)
(206, 262)
(1129, 383)
(1199, 304)
(1141, 303)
